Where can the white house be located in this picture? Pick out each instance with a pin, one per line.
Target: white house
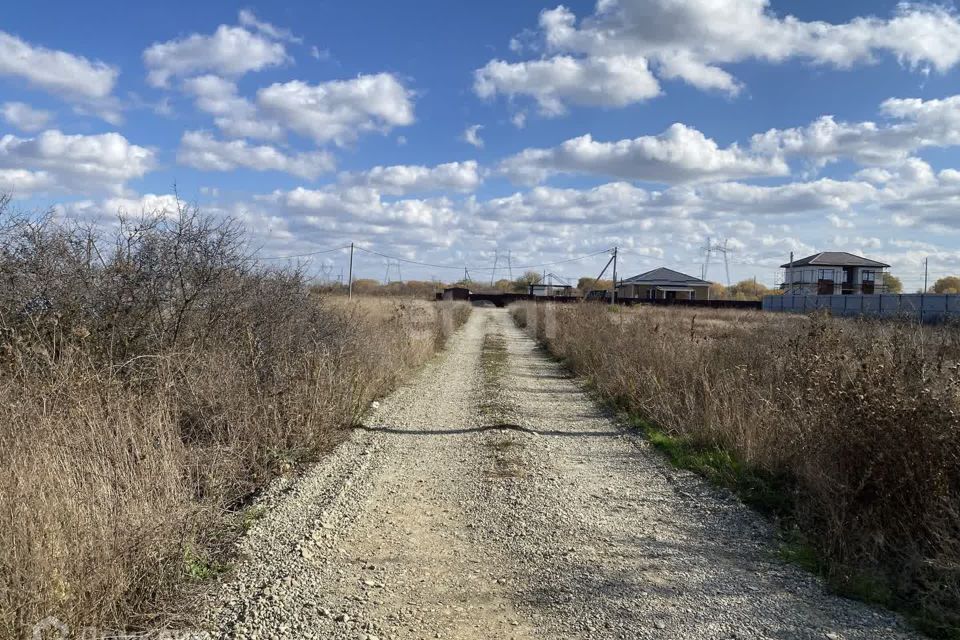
(833, 272)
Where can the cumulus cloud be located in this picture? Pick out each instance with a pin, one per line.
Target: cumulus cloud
(471, 135)
(360, 211)
(918, 124)
(339, 110)
(76, 163)
(236, 116)
(24, 117)
(679, 154)
(230, 51)
(248, 19)
(23, 182)
(87, 84)
(614, 81)
(199, 149)
(692, 41)
(404, 179)
(57, 72)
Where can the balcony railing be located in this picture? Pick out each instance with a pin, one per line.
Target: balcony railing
(829, 287)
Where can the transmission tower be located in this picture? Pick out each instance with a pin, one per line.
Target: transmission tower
(393, 264)
(497, 258)
(711, 248)
(327, 270)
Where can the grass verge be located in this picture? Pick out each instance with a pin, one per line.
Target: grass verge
(847, 432)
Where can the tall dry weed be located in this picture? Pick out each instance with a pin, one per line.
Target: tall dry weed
(862, 417)
(151, 380)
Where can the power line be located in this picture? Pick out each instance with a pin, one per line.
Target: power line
(477, 268)
(301, 255)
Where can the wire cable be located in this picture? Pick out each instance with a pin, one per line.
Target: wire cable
(477, 268)
(303, 255)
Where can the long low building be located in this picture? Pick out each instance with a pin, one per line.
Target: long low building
(664, 284)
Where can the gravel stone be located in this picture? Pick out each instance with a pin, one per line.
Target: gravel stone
(491, 498)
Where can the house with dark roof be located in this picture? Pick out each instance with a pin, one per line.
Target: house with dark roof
(833, 272)
(664, 284)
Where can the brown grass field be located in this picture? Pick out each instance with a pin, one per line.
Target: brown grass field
(847, 431)
(151, 382)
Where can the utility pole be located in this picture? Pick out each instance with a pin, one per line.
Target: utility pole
(926, 264)
(350, 276)
(509, 265)
(790, 280)
(613, 296)
(706, 264)
(726, 263)
(496, 258)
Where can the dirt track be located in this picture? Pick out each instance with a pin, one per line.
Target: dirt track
(490, 498)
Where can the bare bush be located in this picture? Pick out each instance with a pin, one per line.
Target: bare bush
(152, 379)
(862, 419)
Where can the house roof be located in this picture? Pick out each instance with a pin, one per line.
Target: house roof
(835, 259)
(668, 277)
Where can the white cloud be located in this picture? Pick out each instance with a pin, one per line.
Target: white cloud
(339, 110)
(680, 154)
(57, 72)
(76, 163)
(471, 135)
(607, 204)
(614, 81)
(24, 117)
(692, 40)
(919, 124)
(22, 182)
(248, 19)
(840, 223)
(359, 211)
(404, 179)
(791, 198)
(201, 150)
(236, 116)
(230, 51)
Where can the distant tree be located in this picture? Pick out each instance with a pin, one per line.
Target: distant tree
(590, 284)
(718, 291)
(892, 283)
(948, 284)
(748, 290)
(522, 283)
(503, 285)
(743, 290)
(365, 285)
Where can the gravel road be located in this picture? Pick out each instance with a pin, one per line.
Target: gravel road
(490, 498)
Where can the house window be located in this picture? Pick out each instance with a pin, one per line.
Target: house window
(825, 274)
(869, 276)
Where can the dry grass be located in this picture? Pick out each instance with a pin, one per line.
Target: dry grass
(857, 421)
(152, 381)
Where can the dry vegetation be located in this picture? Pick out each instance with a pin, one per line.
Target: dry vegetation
(152, 381)
(849, 431)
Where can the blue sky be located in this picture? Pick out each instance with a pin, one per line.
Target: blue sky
(440, 132)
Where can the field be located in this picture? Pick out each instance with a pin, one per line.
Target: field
(151, 382)
(848, 432)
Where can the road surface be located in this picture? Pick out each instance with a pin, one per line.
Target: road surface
(490, 498)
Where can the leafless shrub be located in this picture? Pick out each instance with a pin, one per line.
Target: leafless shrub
(151, 379)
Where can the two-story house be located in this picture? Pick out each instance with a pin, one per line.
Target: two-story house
(833, 272)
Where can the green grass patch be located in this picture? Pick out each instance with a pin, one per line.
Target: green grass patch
(769, 493)
(773, 495)
(199, 567)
